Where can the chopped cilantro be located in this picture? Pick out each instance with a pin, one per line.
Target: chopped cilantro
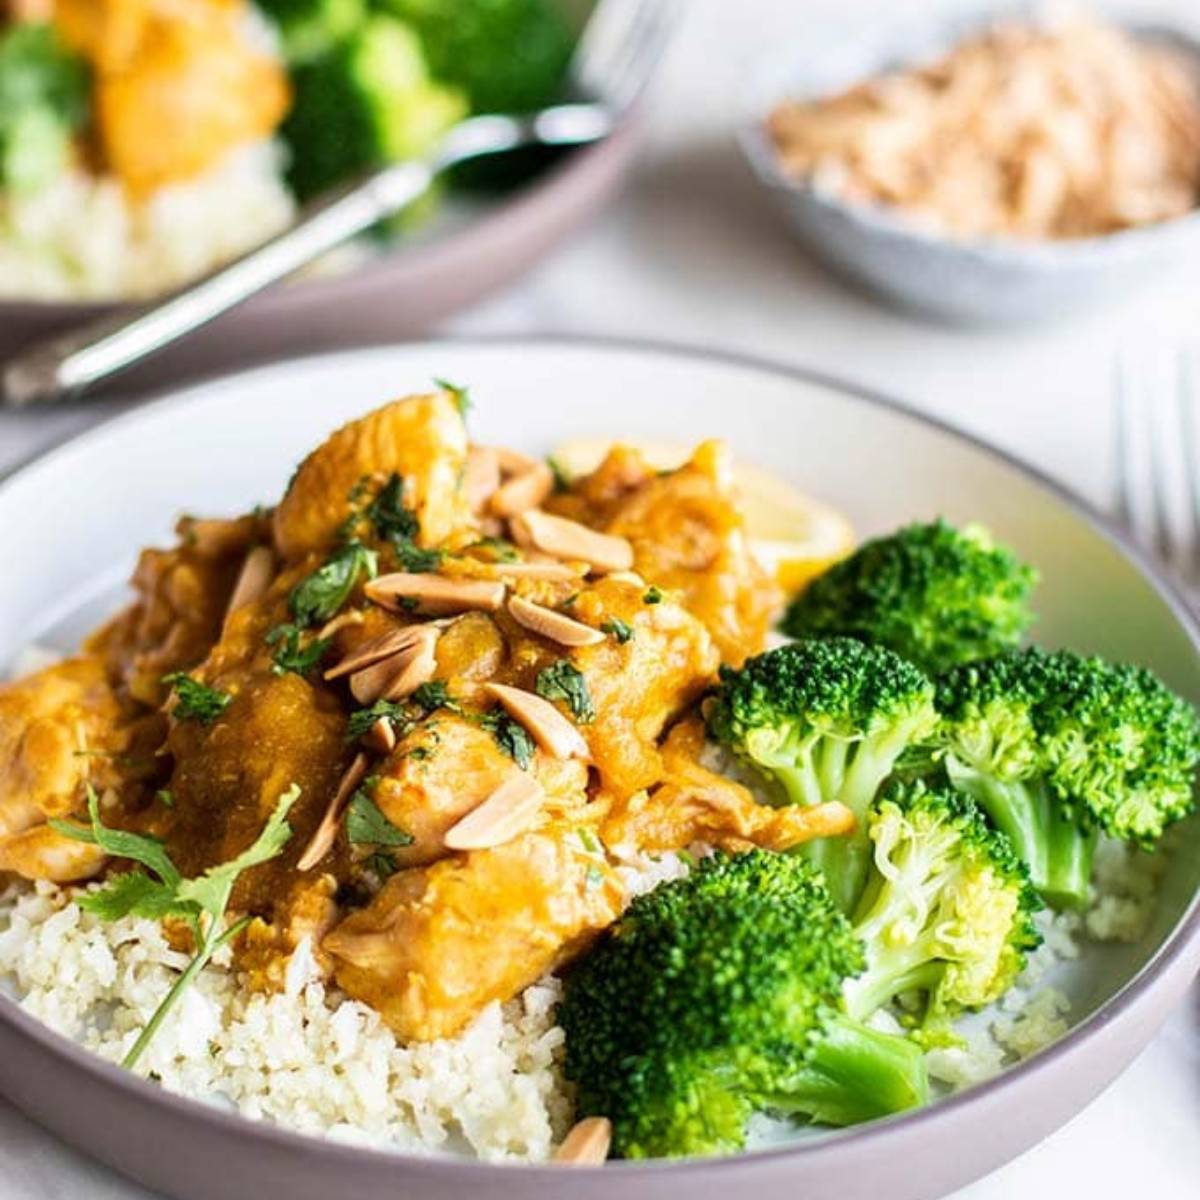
(165, 798)
(460, 395)
(318, 596)
(563, 681)
(500, 550)
(619, 629)
(388, 515)
(362, 719)
(511, 736)
(416, 559)
(562, 482)
(196, 701)
(434, 694)
(652, 595)
(383, 865)
(365, 823)
(420, 753)
(589, 841)
(291, 654)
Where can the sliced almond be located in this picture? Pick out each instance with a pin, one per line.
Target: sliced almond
(435, 594)
(401, 672)
(546, 725)
(628, 577)
(548, 623)
(376, 650)
(508, 811)
(572, 541)
(482, 477)
(586, 1145)
(352, 616)
(258, 569)
(326, 832)
(523, 492)
(381, 737)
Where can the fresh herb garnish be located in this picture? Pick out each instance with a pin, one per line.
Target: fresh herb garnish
(589, 841)
(196, 701)
(511, 736)
(619, 629)
(460, 395)
(562, 481)
(387, 513)
(165, 797)
(500, 550)
(365, 823)
(415, 558)
(563, 681)
(435, 694)
(383, 865)
(201, 901)
(362, 719)
(292, 654)
(319, 595)
(652, 595)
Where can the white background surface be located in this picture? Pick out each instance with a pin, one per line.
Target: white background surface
(693, 253)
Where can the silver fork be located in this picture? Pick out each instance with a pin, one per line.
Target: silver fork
(1157, 457)
(618, 48)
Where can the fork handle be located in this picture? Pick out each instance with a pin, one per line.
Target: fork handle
(66, 365)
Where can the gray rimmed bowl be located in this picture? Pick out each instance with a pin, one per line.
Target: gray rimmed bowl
(981, 281)
(224, 445)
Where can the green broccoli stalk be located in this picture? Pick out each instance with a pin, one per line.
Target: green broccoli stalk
(309, 28)
(366, 102)
(716, 996)
(933, 594)
(827, 720)
(948, 909)
(1056, 747)
(44, 99)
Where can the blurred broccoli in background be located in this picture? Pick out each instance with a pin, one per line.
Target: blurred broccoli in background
(936, 595)
(309, 28)
(505, 55)
(44, 95)
(367, 101)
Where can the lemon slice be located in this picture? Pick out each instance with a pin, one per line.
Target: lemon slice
(794, 536)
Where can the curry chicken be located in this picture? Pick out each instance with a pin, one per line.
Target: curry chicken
(483, 682)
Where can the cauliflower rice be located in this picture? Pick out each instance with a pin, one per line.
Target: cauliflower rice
(312, 1060)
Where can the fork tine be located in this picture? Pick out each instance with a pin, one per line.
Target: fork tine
(643, 51)
(618, 47)
(1123, 448)
(1160, 483)
(1190, 449)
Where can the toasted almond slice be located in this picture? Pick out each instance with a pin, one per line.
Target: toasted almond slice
(435, 594)
(586, 1145)
(628, 577)
(399, 673)
(482, 477)
(522, 492)
(572, 541)
(258, 569)
(376, 650)
(555, 572)
(323, 839)
(419, 669)
(352, 616)
(381, 737)
(546, 725)
(513, 462)
(548, 623)
(507, 812)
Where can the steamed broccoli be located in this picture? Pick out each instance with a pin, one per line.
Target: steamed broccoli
(44, 96)
(1056, 747)
(933, 594)
(716, 996)
(367, 101)
(505, 55)
(827, 719)
(309, 28)
(947, 911)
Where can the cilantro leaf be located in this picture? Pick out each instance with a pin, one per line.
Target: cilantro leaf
(562, 481)
(196, 701)
(619, 629)
(433, 695)
(383, 865)
(511, 736)
(563, 681)
(416, 559)
(319, 595)
(460, 395)
(362, 719)
(387, 513)
(138, 847)
(132, 892)
(652, 595)
(292, 655)
(365, 822)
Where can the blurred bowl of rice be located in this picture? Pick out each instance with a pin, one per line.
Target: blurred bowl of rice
(1004, 165)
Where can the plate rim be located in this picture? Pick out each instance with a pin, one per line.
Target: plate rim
(1184, 935)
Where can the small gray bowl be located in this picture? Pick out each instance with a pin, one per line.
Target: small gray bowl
(984, 281)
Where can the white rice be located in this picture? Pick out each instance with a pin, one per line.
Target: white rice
(82, 238)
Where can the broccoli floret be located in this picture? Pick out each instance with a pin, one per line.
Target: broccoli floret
(1056, 747)
(716, 996)
(505, 55)
(826, 719)
(935, 595)
(44, 94)
(365, 102)
(948, 908)
(308, 28)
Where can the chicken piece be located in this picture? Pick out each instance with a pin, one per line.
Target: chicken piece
(695, 804)
(439, 943)
(445, 769)
(182, 596)
(42, 853)
(59, 729)
(161, 67)
(422, 438)
(687, 535)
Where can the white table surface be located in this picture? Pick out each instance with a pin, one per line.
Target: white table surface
(692, 253)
